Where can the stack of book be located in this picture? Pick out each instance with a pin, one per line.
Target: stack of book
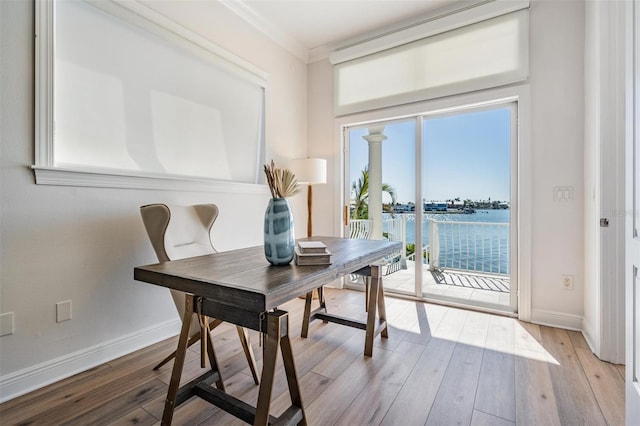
(312, 253)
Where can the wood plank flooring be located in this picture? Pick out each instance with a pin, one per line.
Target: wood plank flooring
(439, 366)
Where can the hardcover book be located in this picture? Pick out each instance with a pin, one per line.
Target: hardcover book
(308, 247)
(312, 258)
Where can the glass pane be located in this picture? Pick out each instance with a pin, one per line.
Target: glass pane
(390, 148)
(466, 202)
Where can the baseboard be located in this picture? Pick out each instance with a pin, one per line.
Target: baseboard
(31, 378)
(589, 336)
(557, 319)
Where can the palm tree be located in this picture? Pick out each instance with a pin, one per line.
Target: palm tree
(360, 196)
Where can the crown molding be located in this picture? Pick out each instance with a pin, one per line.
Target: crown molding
(253, 18)
(319, 53)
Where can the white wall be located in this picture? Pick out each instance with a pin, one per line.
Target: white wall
(556, 84)
(557, 123)
(324, 143)
(81, 244)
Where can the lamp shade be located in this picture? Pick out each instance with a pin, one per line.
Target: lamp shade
(310, 170)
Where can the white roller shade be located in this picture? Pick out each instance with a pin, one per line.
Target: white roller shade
(482, 55)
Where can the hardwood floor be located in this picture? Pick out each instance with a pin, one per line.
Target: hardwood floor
(439, 365)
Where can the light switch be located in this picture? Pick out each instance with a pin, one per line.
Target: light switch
(563, 193)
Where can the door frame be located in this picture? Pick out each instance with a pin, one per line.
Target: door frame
(520, 94)
(632, 207)
(607, 110)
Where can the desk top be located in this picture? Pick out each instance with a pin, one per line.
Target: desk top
(245, 279)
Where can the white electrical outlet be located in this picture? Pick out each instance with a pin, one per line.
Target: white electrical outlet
(6, 324)
(567, 282)
(63, 311)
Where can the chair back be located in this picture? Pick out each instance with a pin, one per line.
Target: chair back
(179, 232)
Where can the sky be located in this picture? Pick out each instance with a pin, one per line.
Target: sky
(465, 155)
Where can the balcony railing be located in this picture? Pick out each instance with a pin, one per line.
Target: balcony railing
(360, 228)
(393, 229)
(467, 246)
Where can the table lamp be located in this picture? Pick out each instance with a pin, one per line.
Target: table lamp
(310, 171)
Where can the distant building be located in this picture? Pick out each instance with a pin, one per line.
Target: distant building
(403, 208)
(435, 206)
(456, 204)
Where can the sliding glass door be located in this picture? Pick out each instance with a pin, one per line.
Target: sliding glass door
(467, 200)
(444, 185)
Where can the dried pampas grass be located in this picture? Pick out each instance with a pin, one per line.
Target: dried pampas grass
(282, 182)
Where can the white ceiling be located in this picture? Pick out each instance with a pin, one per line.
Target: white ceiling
(316, 23)
(305, 26)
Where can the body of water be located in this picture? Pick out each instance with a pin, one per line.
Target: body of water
(471, 247)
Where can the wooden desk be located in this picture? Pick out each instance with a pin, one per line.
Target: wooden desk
(241, 287)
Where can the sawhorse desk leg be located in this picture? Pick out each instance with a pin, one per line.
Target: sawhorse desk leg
(376, 300)
(375, 306)
(277, 334)
(173, 397)
(276, 331)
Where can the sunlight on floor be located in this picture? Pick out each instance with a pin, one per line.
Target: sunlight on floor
(491, 332)
(528, 347)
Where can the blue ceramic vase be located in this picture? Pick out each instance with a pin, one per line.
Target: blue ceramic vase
(279, 237)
